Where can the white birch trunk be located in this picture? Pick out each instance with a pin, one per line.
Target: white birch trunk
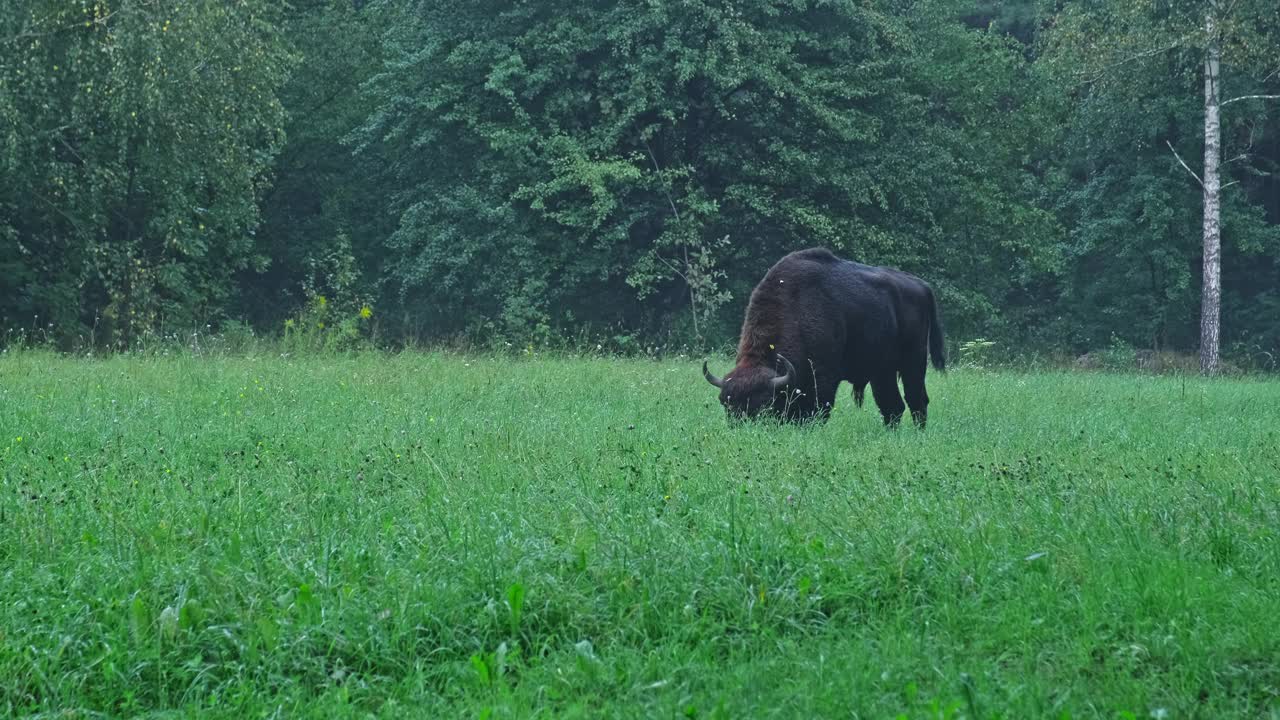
(1211, 293)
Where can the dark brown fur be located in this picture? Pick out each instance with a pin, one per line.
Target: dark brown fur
(834, 320)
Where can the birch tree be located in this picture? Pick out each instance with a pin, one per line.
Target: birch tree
(1105, 50)
(136, 140)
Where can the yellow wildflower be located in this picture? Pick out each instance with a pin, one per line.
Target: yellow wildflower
(366, 312)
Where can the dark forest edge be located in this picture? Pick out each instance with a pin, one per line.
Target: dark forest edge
(238, 340)
(334, 174)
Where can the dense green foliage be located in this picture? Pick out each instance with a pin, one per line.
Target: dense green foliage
(433, 535)
(135, 148)
(584, 154)
(536, 171)
(1133, 75)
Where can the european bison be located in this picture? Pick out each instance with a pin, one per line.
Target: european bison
(821, 320)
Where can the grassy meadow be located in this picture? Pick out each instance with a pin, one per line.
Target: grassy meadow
(433, 535)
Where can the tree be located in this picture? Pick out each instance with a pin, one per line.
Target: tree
(325, 217)
(1105, 50)
(137, 141)
(558, 162)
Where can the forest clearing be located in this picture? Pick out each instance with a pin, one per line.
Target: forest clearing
(443, 535)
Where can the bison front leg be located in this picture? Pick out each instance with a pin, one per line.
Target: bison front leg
(885, 391)
(826, 399)
(814, 403)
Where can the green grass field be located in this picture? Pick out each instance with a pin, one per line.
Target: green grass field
(429, 535)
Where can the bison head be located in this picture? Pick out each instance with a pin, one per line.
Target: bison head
(746, 392)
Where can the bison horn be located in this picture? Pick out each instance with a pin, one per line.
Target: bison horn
(711, 378)
(780, 382)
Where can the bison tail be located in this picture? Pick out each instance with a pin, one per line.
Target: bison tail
(936, 346)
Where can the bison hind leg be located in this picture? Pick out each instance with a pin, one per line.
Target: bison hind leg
(917, 396)
(885, 391)
(859, 391)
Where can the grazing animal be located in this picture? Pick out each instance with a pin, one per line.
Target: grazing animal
(815, 320)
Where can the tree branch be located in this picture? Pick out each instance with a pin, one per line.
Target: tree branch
(658, 170)
(1102, 72)
(1251, 97)
(1184, 165)
(31, 34)
(673, 268)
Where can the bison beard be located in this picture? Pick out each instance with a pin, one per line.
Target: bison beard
(815, 320)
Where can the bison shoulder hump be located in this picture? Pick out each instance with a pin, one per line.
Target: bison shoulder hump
(814, 254)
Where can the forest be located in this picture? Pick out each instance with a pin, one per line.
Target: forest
(350, 350)
(552, 173)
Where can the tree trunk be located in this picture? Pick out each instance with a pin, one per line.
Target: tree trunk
(1211, 293)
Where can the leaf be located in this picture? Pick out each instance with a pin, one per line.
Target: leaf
(481, 669)
(515, 605)
(268, 633)
(190, 615)
(138, 618)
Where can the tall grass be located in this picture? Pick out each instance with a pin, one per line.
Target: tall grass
(446, 536)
